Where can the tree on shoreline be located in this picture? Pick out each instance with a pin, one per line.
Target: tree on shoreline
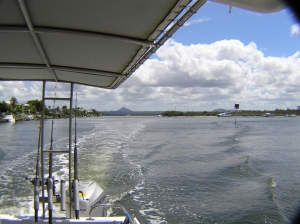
(173, 113)
(35, 107)
(4, 107)
(13, 101)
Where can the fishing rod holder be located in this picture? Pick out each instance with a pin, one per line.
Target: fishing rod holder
(52, 197)
(75, 197)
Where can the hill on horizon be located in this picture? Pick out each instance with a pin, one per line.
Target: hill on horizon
(219, 110)
(124, 109)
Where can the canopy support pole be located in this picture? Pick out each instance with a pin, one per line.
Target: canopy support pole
(70, 145)
(42, 146)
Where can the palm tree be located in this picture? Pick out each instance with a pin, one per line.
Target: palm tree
(64, 109)
(13, 101)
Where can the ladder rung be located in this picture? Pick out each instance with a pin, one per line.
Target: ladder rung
(56, 98)
(55, 151)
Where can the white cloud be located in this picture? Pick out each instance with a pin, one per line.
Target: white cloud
(223, 72)
(194, 77)
(188, 23)
(24, 90)
(295, 29)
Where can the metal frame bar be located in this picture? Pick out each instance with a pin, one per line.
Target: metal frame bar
(56, 98)
(56, 151)
(87, 71)
(35, 37)
(25, 66)
(77, 33)
(180, 22)
(171, 17)
(62, 68)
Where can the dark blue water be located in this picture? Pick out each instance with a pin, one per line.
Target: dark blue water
(170, 170)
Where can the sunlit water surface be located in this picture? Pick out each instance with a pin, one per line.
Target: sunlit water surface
(170, 170)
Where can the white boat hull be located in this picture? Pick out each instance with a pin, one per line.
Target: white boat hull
(225, 114)
(9, 119)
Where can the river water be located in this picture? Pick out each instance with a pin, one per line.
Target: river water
(170, 170)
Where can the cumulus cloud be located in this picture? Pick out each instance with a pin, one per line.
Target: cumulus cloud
(195, 77)
(23, 90)
(295, 29)
(221, 73)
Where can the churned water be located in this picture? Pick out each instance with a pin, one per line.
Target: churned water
(170, 170)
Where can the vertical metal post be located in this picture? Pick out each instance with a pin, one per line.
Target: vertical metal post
(42, 146)
(70, 146)
(235, 117)
(236, 107)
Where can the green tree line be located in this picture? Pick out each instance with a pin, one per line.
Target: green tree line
(276, 112)
(13, 107)
(35, 107)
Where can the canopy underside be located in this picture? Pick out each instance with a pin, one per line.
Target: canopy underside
(91, 42)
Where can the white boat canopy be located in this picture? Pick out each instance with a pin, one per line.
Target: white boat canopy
(91, 42)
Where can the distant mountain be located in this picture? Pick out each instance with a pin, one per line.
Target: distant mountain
(223, 110)
(124, 110)
(219, 110)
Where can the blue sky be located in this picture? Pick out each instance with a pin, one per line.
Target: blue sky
(271, 32)
(216, 60)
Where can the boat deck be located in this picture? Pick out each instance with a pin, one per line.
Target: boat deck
(30, 219)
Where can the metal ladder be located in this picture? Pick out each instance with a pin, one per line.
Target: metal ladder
(43, 199)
